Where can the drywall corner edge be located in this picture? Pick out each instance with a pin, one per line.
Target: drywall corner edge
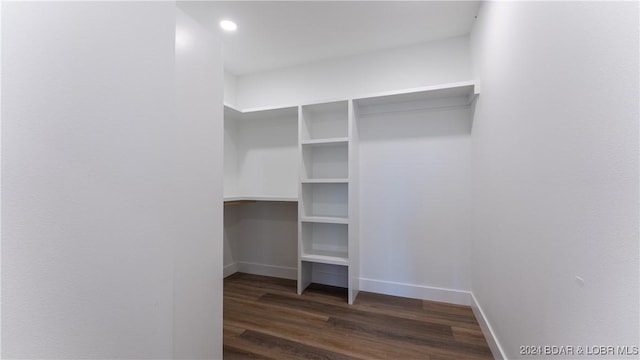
(230, 269)
(487, 330)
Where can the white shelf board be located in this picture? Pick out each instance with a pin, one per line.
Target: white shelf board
(325, 259)
(325, 181)
(440, 97)
(323, 142)
(260, 114)
(325, 219)
(462, 86)
(430, 88)
(261, 198)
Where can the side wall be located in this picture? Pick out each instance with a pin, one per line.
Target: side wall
(555, 173)
(88, 212)
(198, 161)
(230, 83)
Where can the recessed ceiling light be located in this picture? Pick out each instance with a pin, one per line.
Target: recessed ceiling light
(228, 25)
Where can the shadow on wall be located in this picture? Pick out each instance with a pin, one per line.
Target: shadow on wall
(415, 124)
(264, 233)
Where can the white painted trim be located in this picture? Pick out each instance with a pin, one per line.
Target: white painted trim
(230, 269)
(283, 272)
(487, 330)
(459, 297)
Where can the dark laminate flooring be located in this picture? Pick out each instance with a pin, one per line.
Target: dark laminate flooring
(264, 318)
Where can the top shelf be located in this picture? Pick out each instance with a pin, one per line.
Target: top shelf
(290, 112)
(425, 98)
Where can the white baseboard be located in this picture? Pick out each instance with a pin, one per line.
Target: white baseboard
(489, 335)
(230, 269)
(451, 296)
(268, 270)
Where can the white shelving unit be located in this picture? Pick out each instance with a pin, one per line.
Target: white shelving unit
(309, 154)
(325, 184)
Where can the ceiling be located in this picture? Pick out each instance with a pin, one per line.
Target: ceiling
(277, 34)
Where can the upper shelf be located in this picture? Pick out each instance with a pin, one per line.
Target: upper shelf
(424, 98)
(260, 114)
(434, 96)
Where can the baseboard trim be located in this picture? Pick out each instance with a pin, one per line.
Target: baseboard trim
(451, 296)
(268, 270)
(230, 269)
(487, 330)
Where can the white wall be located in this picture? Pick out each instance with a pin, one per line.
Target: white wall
(555, 173)
(267, 154)
(420, 65)
(415, 204)
(261, 153)
(230, 234)
(230, 83)
(198, 161)
(89, 215)
(261, 238)
(231, 187)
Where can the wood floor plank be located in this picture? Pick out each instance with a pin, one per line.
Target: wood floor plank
(398, 324)
(232, 330)
(415, 313)
(264, 318)
(412, 349)
(469, 336)
(300, 351)
(431, 344)
(276, 313)
(330, 340)
(235, 353)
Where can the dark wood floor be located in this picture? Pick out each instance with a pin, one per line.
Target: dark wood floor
(264, 318)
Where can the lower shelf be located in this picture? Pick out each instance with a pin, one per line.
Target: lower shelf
(254, 198)
(333, 259)
(325, 219)
(322, 273)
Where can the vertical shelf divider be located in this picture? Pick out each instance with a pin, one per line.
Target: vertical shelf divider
(354, 201)
(304, 269)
